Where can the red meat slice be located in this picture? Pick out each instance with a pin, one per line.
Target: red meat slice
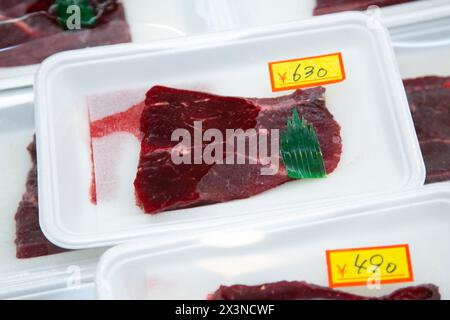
(30, 241)
(296, 290)
(35, 35)
(429, 101)
(331, 6)
(161, 185)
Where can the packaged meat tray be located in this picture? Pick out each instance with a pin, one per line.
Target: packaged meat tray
(288, 258)
(20, 276)
(100, 194)
(422, 47)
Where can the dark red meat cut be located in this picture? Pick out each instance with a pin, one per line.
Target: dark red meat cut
(29, 34)
(30, 241)
(331, 6)
(161, 185)
(429, 101)
(300, 290)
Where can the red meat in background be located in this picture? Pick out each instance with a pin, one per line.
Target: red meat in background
(29, 34)
(429, 101)
(30, 241)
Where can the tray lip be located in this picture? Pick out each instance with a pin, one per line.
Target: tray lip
(430, 12)
(14, 285)
(17, 97)
(415, 12)
(115, 256)
(47, 213)
(22, 80)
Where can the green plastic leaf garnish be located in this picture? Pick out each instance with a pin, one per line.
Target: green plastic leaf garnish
(67, 11)
(300, 149)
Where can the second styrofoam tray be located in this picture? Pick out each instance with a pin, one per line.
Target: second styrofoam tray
(381, 153)
(292, 250)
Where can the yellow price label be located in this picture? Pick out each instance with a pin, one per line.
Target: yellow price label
(306, 72)
(365, 266)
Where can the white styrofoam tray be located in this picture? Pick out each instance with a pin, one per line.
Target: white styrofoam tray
(292, 249)
(381, 153)
(422, 46)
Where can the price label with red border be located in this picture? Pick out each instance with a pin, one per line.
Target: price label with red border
(306, 72)
(361, 266)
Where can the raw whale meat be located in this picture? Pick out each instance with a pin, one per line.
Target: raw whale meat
(299, 290)
(30, 241)
(29, 34)
(429, 101)
(161, 185)
(330, 6)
